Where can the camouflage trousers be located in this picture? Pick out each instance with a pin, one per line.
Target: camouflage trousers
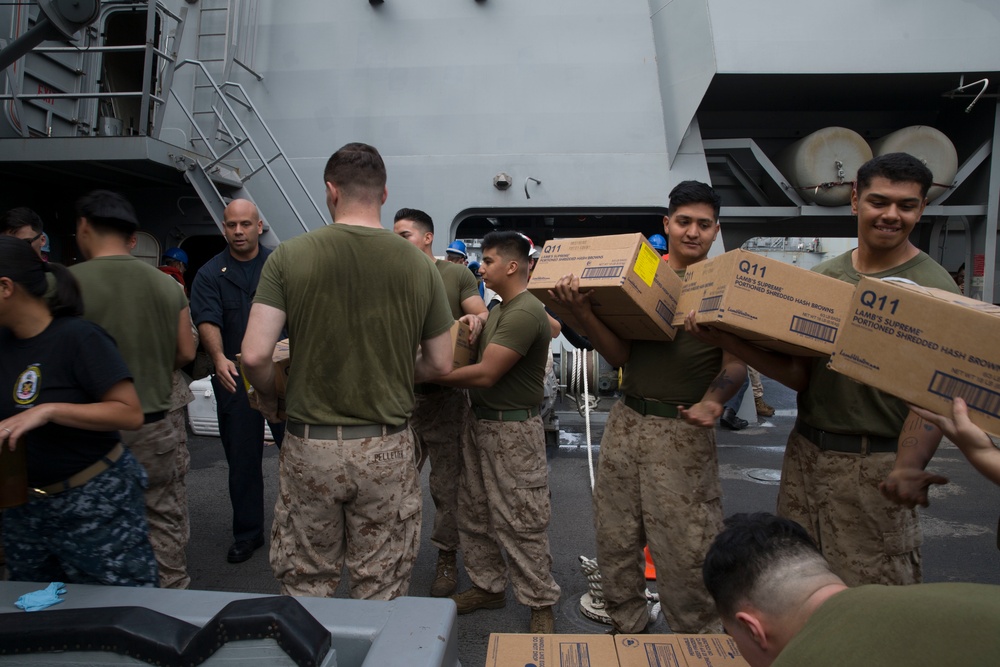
(755, 384)
(866, 538)
(346, 501)
(161, 448)
(93, 534)
(657, 484)
(439, 422)
(504, 506)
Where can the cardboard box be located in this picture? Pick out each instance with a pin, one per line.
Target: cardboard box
(463, 354)
(513, 650)
(925, 346)
(282, 362)
(767, 302)
(678, 651)
(509, 650)
(635, 291)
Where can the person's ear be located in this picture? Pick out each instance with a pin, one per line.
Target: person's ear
(753, 628)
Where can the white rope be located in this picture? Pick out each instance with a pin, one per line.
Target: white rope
(584, 401)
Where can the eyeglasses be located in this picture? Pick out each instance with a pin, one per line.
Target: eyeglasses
(35, 237)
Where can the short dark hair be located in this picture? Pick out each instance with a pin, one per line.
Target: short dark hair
(20, 263)
(694, 192)
(108, 211)
(19, 217)
(357, 170)
(509, 244)
(416, 216)
(895, 167)
(748, 547)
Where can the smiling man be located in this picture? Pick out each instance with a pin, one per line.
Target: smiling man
(851, 443)
(658, 478)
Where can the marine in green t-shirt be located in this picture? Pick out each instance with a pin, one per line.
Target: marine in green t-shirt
(441, 415)
(366, 315)
(844, 477)
(784, 606)
(658, 478)
(509, 478)
(147, 314)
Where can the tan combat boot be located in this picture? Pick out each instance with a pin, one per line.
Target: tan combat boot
(763, 409)
(477, 598)
(543, 622)
(446, 577)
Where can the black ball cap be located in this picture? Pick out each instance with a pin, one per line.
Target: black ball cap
(111, 207)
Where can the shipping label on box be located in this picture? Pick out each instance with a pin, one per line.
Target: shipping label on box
(767, 302)
(634, 291)
(925, 346)
(463, 354)
(516, 650)
(282, 363)
(678, 651)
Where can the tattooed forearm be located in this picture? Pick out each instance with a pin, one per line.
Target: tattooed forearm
(721, 381)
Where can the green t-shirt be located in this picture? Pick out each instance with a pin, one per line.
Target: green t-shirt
(521, 325)
(676, 372)
(835, 403)
(459, 285)
(889, 626)
(358, 301)
(139, 306)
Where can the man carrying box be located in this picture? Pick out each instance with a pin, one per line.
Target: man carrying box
(503, 494)
(851, 443)
(221, 296)
(348, 484)
(441, 414)
(658, 475)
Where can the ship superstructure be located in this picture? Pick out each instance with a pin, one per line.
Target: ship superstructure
(559, 118)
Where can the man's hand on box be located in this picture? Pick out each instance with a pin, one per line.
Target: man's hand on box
(567, 293)
(909, 486)
(227, 374)
(475, 324)
(703, 413)
(708, 335)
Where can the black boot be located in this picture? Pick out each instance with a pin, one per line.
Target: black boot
(732, 421)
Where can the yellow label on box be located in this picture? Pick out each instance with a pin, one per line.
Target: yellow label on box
(646, 263)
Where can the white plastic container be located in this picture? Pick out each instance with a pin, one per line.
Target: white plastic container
(202, 410)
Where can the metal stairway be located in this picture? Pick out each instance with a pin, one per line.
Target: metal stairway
(236, 157)
(222, 117)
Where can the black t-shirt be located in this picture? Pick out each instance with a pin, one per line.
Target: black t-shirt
(72, 361)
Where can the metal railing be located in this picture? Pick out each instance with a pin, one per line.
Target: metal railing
(239, 138)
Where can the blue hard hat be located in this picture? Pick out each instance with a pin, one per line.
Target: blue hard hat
(658, 242)
(457, 247)
(474, 267)
(176, 253)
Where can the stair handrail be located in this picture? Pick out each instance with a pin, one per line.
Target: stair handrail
(247, 137)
